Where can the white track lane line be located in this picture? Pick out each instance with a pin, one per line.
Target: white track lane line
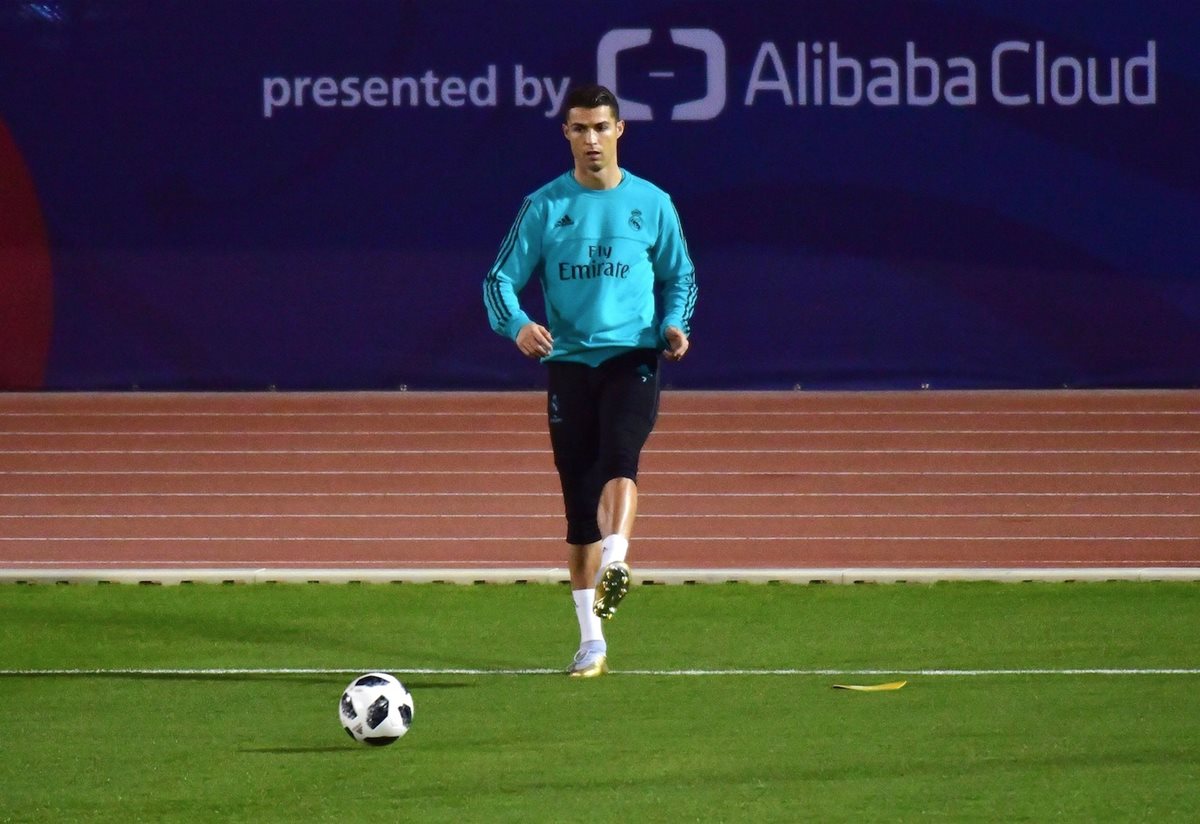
(659, 433)
(111, 516)
(517, 539)
(540, 413)
(552, 473)
(645, 496)
(241, 452)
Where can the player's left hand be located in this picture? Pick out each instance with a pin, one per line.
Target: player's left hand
(677, 343)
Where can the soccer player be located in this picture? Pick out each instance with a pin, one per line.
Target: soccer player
(619, 287)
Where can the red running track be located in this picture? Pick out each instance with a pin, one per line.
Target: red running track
(762, 480)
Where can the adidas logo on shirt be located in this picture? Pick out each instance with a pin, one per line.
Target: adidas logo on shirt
(565, 220)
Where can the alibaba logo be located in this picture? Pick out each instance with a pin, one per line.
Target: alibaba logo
(703, 40)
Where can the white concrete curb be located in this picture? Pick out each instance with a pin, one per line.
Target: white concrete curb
(552, 575)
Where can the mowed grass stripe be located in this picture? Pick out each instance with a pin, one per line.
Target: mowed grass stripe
(213, 702)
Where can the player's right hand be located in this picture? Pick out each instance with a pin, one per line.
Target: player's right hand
(677, 343)
(534, 340)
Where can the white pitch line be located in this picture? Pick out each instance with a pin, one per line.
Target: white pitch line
(660, 673)
(932, 673)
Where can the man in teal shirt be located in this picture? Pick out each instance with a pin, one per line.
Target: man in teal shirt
(619, 287)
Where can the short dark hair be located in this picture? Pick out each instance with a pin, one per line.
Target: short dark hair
(591, 96)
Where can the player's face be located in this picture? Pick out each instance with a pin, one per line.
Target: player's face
(593, 134)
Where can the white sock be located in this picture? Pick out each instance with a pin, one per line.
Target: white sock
(590, 627)
(613, 549)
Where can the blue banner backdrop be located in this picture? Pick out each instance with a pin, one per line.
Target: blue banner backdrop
(238, 194)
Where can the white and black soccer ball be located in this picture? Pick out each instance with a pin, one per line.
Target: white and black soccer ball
(376, 709)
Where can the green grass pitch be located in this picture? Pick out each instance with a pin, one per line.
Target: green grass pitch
(647, 743)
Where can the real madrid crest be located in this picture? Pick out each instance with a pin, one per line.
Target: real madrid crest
(635, 219)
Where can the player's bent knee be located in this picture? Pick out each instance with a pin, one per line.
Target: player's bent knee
(582, 531)
(619, 469)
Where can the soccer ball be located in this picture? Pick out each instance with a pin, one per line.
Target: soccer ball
(375, 709)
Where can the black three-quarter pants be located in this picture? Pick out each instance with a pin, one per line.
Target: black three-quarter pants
(600, 418)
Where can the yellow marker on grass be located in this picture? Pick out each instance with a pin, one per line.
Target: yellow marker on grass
(892, 685)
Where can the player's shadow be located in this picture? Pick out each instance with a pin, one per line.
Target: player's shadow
(299, 678)
(413, 686)
(343, 748)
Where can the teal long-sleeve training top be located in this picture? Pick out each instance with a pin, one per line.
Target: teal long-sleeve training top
(613, 264)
